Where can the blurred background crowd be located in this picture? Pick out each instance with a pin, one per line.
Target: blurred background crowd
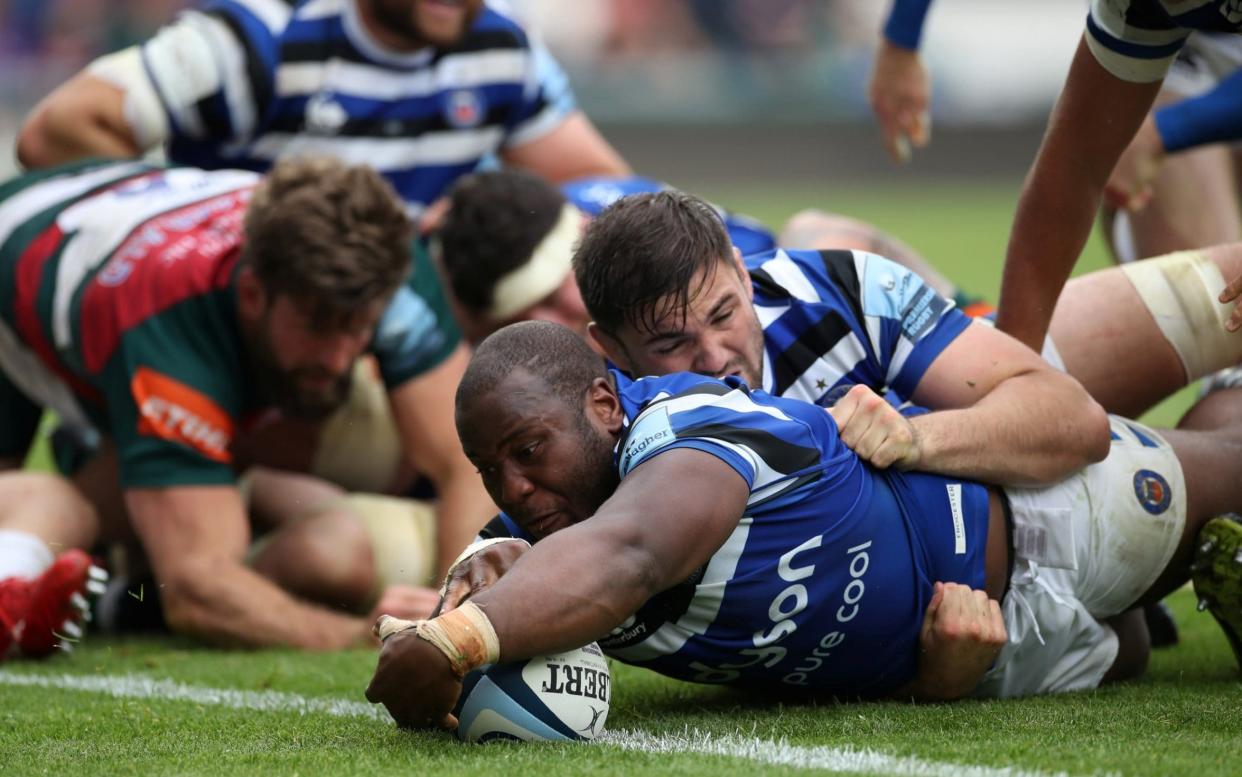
(784, 66)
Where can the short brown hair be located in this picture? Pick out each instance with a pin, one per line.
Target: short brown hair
(638, 259)
(332, 236)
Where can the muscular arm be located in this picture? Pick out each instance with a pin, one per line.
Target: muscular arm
(196, 538)
(423, 407)
(575, 149)
(1003, 415)
(83, 117)
(664, 521)
(1093, 121)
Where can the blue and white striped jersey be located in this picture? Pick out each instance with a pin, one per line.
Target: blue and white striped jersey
(834, 319)
(245, 82)
(1137, 40)
(824, 582)
(592, 195)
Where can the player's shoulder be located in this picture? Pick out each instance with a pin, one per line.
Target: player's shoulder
(594, 193)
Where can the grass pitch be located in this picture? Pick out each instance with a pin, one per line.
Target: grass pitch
(1183, 718)
(162, 706)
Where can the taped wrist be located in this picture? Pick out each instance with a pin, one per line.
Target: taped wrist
(465, 636)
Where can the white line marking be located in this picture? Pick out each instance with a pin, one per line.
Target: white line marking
(779, 753)
(131, 686)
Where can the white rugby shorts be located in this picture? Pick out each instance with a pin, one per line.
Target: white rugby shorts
(1086, 549)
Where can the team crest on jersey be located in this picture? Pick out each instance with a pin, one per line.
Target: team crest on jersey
(464, 108)
(324, 115)
(1153, 491)
(171, 410)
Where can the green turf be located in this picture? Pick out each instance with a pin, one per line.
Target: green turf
(1183, 718)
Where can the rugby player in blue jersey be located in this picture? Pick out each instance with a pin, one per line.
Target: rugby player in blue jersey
(506, 243)
(721, 535)
(421, 90)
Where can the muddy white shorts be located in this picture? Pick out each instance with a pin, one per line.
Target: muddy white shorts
(1086, 549)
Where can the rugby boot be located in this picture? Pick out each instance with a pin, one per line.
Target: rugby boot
(1216, 572)
(14, 602)
(58, 604)
(1161, 626)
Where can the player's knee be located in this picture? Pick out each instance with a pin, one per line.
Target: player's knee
(48, 506)
(327, 558)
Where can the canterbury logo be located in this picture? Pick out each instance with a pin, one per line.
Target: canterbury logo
(171, 410)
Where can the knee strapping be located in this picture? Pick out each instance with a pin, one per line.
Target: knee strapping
(1180, 291)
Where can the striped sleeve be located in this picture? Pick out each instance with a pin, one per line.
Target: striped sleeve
(212, 68)
(547, 99)
(768, 448)
(1135, 40)
(908, 323)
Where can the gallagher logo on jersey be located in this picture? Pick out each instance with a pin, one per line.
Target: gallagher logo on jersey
(1153, 491)
(171, 410)
(464, 108)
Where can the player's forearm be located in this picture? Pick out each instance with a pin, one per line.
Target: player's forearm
(463, 509)
(1032, 429)
(573, 587)
(1053, 220)
(65, 128)
(229, 605)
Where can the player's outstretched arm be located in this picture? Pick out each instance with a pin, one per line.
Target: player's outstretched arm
(1093, 121)
(575, 149)
(664, 521)
(1009, 418)
(423, 408)
(84, 117)
(900, 89)
(196, 538)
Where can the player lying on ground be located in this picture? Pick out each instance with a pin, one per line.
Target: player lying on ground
(506, 244)
(721, 535)
(168, 311)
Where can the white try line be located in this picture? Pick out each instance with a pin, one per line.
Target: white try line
(781, 753)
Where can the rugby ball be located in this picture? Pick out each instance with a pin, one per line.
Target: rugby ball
(554, 698)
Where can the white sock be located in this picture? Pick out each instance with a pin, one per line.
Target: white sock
(22, 554)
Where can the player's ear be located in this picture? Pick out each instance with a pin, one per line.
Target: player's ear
(610, 345)
(743, 273)
(603, 403)
(251, 296)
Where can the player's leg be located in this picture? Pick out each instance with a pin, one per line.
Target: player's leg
(342, 549)
(1134, 335)
(817, 229)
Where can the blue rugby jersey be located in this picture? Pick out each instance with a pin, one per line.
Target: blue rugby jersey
(824, 582)
(306, 77)
(1137, 40)
(592, 195)
(834, 319)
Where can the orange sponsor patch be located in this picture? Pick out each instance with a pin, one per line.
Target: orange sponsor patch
(171, 410)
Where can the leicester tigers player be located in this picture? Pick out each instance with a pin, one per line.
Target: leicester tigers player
(722, 535)
(171, 310)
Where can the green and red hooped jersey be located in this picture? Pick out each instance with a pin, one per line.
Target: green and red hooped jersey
(117, 278)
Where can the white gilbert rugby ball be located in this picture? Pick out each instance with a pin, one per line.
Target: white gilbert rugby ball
(550, 698)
